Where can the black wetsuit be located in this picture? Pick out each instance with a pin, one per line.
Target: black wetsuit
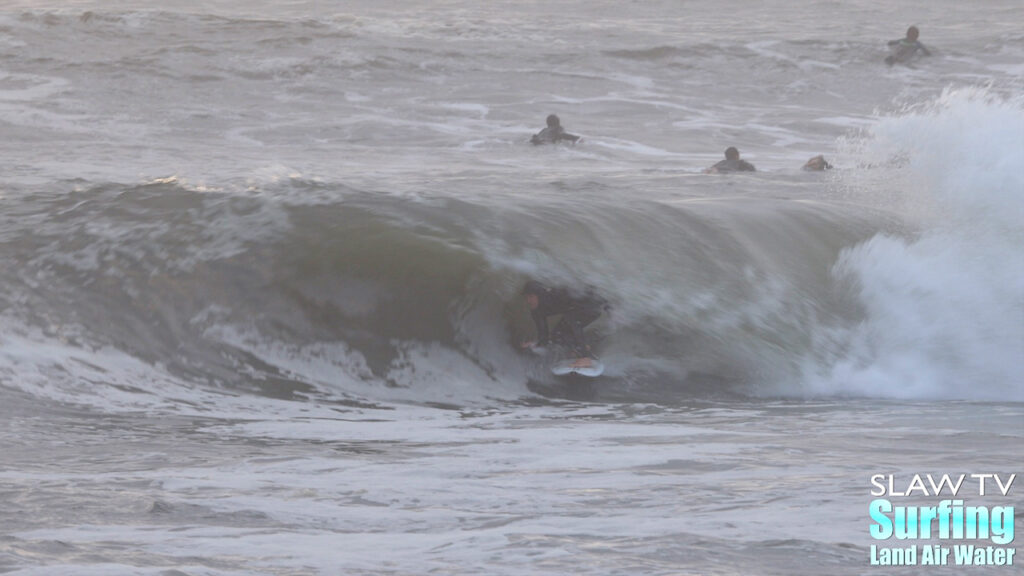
(577, 312)
(729, 165)
(903, 50)
(552, 135)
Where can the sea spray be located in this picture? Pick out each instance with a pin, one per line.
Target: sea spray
(942, 305)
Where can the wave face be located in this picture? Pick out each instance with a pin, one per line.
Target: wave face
(233, 290)
(363, 291)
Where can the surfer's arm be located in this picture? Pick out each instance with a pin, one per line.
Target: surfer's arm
(717, 167)
(571, 137)
(923, 49)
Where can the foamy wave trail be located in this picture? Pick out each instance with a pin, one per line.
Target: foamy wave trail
(941, 309)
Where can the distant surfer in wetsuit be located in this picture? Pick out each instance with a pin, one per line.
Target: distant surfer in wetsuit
(577, 313)
(817, 164)
(554, 133)
(732, 163)
(904, 49)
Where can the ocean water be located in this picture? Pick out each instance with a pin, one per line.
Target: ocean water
(261, 261)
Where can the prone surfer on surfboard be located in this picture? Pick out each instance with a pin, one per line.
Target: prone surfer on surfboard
(577, 313)
(905, 49)
(554, 133)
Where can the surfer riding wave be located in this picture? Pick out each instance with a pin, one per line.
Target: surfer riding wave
(577, 313)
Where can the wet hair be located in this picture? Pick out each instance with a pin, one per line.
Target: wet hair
(731, 153)
(533, 287)
(553, 120)
(913, 33)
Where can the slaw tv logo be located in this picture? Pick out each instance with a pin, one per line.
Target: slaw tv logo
(953, 531)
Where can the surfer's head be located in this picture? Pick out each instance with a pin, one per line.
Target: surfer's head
(913, 33)
(531, 293)
(553, 121)
(731, 153)
(817, 163)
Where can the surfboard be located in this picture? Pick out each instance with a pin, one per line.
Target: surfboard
(584, 367)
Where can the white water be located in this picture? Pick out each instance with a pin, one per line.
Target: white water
(943, 309)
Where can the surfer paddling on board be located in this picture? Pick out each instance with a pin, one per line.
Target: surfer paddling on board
(577, 313)
(554, 133)
(732, 163)
(905, 49)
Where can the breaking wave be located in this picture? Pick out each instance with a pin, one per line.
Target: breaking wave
(911, 289)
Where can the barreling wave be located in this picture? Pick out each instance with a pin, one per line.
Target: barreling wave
(373, 290)
(364, 294)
